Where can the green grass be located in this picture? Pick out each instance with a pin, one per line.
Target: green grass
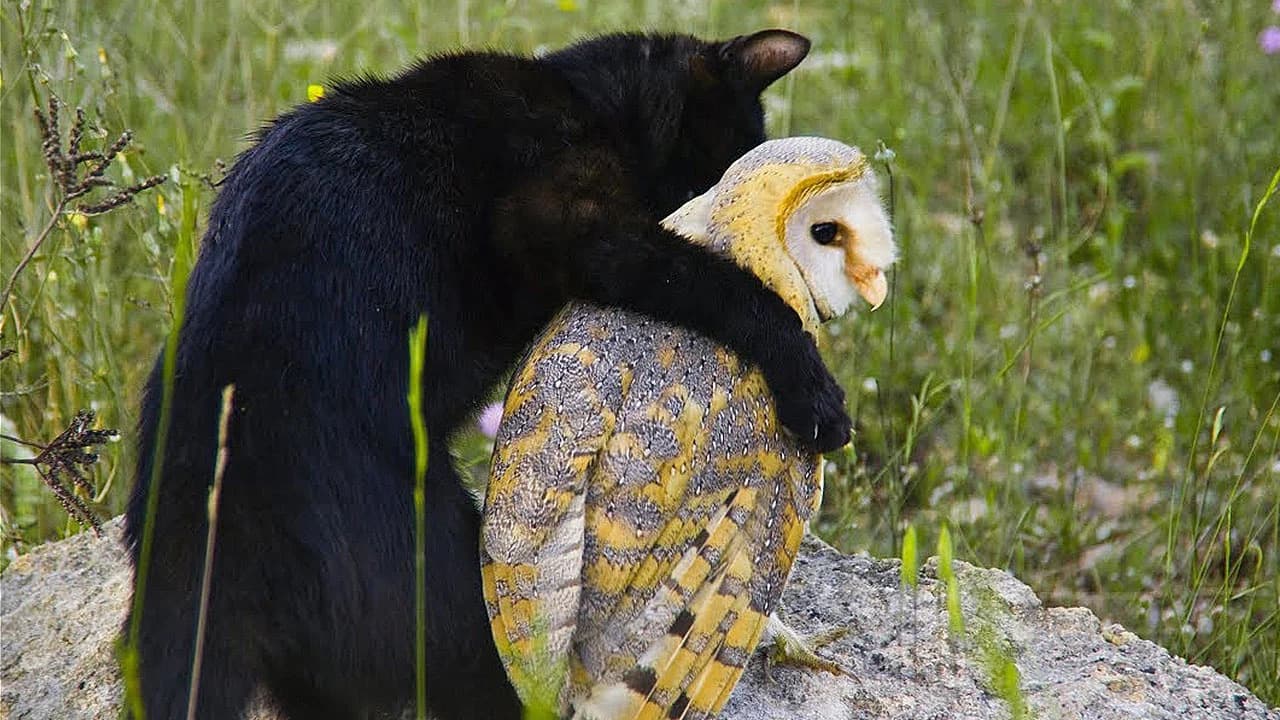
(418, 422)
(1077, 372)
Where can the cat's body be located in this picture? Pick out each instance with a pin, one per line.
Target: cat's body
(485, 191)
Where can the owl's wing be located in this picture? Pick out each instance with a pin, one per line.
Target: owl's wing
(708, 538)
(532, 536)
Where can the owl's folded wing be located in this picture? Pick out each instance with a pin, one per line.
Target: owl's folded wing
(700, 544)
(532, 536)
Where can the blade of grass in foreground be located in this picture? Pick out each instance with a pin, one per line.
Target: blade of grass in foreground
(183, 257)
(215, 494)
(1198, 483)
(417, 359)
(1190, 478)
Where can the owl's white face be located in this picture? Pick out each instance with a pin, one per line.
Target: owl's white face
(842, 243)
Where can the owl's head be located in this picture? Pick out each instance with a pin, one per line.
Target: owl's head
(804, 215)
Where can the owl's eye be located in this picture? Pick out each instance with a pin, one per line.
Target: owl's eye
(824, 233)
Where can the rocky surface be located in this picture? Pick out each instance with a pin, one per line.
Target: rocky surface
(61, 607)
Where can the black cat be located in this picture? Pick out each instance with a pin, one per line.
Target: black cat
(484, 190)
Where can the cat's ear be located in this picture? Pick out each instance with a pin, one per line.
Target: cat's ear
(758, 59)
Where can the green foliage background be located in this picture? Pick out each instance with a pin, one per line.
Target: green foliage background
(1073, 183)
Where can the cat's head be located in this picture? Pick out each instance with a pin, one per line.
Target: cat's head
(689, 107)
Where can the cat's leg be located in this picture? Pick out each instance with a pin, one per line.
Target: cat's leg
(580, 223)
(347, 608)
(670, 278)
(299, 699)
(465, 676)
(229, 671)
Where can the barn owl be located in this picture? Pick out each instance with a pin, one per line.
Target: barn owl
(645, 505)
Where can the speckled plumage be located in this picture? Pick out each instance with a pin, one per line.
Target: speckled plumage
(644, 505)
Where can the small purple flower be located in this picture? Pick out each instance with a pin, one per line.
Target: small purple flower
(489, 419)
(1275, 6)
(1269, 39)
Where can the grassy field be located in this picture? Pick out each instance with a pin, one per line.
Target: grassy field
(1079, 368)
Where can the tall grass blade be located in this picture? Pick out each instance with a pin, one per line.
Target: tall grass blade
(184, 257)
(417, 420)
(215, 495)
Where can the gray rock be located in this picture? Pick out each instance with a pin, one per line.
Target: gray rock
(61, 607)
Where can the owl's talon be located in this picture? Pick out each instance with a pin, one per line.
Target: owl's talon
(786, 647)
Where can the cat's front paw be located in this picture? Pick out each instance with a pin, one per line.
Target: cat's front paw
(811, 404)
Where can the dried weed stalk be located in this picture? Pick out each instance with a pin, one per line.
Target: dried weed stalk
(76, 173)
(64, 462)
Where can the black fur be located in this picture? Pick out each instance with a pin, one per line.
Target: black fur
(484, 190)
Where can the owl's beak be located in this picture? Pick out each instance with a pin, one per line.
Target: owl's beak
(871, 283)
